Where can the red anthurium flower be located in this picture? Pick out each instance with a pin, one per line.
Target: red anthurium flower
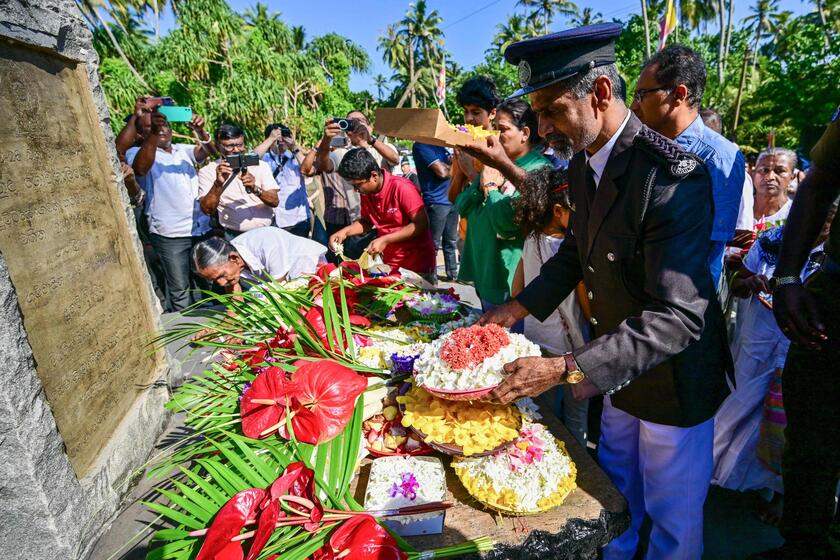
(285, 339)
(228, 523)
(256, 356)
(265, 527)
(299, 481)
(263, 405)
(328, 390)
(360, 537)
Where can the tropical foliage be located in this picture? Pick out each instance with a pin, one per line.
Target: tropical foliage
(771, 72)
(274, 427)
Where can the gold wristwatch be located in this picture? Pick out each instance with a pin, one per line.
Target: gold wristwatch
(573, 373)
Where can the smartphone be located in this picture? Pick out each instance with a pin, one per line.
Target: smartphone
(162, 101)
(339, 142)
(176, 114)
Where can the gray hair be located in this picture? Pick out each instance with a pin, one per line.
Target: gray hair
(581, 85)
(780, 153)
(211, 252)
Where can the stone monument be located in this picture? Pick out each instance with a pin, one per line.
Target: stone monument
(82, 393)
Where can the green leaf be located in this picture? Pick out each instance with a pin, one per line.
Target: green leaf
(174, 515)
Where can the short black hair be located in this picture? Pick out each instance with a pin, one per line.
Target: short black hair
(522, 115)
(273, 126)
(679, 64)
(711, 119)
(479, 91)
(357, 164)
(229, 132)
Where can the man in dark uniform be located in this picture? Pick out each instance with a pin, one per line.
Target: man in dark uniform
(639, 240)
(810, 317)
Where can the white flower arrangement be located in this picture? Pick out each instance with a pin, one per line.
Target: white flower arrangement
(530, 476)
(431, 371)
(397, 482)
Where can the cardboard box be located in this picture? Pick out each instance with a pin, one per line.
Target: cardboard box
(427, 126)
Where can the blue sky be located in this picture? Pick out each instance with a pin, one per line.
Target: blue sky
(468, 25)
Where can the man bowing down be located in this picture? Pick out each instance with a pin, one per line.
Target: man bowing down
(639, 240)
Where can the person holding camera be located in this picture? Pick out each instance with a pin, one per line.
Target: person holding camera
(283, 156)
(393, 211)
(239, 186)
(341, 202)
(167, 174)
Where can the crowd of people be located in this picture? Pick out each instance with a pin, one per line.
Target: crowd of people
(628, 237)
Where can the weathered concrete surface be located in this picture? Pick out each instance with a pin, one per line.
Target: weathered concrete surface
(45, 510)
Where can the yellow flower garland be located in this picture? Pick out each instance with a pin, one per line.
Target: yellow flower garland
(507, 500)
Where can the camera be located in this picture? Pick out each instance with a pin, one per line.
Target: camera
(347, 125)
(284, 130)
(238, 162)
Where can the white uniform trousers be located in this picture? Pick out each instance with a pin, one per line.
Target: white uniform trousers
(663, 471)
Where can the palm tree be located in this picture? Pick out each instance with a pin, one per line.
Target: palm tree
(415, 42)
(822, 10)
(647, 28)
(90, 9)
(518, 27)
(545, 10)
(765, 17)
(586, 17)
(380, 82)
(694, 13)
(298, 38)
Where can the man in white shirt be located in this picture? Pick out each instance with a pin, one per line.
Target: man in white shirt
(244, 199)
(166, 171)
(282, 155)
(267, 254)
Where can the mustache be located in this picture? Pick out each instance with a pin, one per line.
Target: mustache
(561, 144)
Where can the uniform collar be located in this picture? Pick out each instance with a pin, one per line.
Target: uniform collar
(598, 160)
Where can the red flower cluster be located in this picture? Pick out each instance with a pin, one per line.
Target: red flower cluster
(469, 346)
(320, 397)
(263, 507)
(360, 537)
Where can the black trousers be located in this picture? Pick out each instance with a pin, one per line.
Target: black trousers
(811, 460)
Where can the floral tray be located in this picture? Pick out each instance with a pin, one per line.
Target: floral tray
(451, 449)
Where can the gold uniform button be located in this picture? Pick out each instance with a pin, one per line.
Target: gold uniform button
(610, 257)
(590, 295)
(593, 320)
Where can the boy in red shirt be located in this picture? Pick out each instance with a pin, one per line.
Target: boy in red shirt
(393, 206)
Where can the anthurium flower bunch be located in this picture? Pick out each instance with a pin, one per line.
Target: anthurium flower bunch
(284, 398)
(317, 400)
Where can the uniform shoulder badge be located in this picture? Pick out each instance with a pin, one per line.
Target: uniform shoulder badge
(683, 167)
(679, 162)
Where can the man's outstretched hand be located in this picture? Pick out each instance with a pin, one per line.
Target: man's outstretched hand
(505, 315)
(529, 377)
(796, 314)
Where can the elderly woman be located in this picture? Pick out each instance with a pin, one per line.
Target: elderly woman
(493, 245)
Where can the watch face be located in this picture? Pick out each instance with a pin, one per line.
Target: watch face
(574, 377)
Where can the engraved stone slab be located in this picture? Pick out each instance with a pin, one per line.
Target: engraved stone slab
(64, 236)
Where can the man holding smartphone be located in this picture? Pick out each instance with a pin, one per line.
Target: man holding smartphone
(167, 173)
(342, 205)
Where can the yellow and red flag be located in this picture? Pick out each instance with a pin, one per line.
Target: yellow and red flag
(669, 23)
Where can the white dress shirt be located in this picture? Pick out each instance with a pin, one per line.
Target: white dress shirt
(598, 160)
(171, 188)
(272, 252)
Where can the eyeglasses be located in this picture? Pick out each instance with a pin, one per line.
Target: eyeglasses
(779, 171)
(639, 94)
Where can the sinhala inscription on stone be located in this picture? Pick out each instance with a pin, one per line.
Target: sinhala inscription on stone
(64, 236)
